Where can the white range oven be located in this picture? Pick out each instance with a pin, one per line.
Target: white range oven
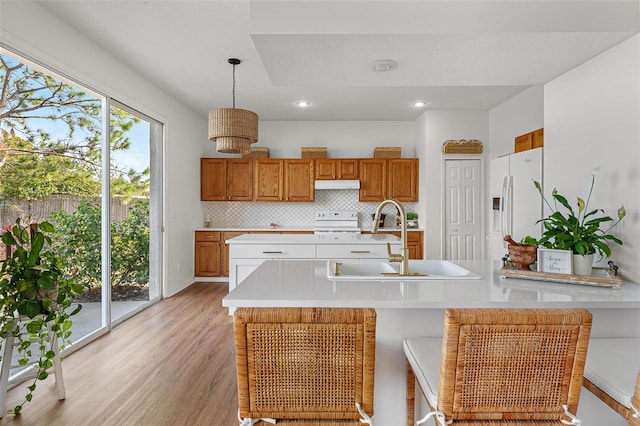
(336, 221)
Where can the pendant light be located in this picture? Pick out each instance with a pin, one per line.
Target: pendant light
(233, 130)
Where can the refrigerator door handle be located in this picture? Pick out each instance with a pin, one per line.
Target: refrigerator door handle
(509, 206)
(503, 195)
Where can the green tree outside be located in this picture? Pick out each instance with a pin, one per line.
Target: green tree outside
(50, 143)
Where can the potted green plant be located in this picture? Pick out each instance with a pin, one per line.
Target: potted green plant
(35, 294)
(578, 230)
(412, 219)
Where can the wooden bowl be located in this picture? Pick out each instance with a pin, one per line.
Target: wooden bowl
(522, 255)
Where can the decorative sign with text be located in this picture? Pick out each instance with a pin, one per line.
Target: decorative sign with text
(555, 261)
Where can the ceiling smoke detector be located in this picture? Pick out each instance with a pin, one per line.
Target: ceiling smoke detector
(384, 65)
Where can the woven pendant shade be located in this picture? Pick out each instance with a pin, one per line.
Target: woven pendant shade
(233, 130)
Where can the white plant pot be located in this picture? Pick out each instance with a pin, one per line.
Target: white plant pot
(582, 265)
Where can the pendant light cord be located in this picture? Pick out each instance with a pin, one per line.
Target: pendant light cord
(233, 91)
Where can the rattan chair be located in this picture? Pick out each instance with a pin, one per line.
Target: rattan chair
(501, 366)
(311, 366)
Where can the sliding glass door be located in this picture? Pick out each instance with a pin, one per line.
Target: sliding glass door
(92, 167)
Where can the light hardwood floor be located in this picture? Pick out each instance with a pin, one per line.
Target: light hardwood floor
(172, 364)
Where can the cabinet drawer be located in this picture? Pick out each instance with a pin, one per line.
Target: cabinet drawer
(272, 251)
(207, 235)
(414, 236)
(355, 251)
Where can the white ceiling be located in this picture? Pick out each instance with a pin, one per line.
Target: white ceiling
(453, 54)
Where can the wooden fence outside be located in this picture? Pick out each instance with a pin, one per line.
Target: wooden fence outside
(39, 210)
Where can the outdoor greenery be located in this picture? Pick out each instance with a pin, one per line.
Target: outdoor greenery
(576, 230)
(35, 294)
(50, 143)
(80, 244)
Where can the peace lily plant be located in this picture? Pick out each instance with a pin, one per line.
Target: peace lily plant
(35, 294)
(576, 230)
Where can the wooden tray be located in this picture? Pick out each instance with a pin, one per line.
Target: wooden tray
(603, 277)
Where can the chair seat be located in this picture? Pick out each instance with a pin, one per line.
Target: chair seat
(427, 373)
(612, 364)
(592, 411)
(500, 366)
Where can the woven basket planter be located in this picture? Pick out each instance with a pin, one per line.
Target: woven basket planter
(313, 152)
(257, 152)
(387, 152)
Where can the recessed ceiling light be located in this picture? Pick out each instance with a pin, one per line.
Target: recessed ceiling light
(419, 104)
(384, 65)
(303, 104)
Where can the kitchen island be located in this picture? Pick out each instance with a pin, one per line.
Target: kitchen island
(247, 252)
(416, 308)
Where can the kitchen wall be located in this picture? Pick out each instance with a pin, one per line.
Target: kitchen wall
(242, 214)
(432, 129)
(346, 139)
(519, 115)
(27, 27)
(592, 125)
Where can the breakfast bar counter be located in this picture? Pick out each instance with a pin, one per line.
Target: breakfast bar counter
(416, 308)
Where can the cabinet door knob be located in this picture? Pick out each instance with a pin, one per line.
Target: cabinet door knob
(360, 251)
(271, 252)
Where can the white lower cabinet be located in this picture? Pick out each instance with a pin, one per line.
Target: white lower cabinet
(354, 251)
(245, 258)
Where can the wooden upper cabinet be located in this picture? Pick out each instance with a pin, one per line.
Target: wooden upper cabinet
(529, 140)
(226, 179)
(523, 142)
(403, 179)
(333, 168)
(325, 169)
(538, 138)
(271, 179)
(240, 179)
(213, 179)
(268, 179)
(373, 179)
(348, 168)
(299, 178)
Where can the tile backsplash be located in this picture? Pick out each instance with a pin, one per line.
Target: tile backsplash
(259, 214)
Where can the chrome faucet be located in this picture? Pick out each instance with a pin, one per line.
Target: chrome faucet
(403, 256)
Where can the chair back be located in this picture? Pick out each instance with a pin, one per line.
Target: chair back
(305, 363)
(512, 364)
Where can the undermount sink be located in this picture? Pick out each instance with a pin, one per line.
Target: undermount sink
(419, 270)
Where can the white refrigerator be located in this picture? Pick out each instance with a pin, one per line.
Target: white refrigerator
(516, 205)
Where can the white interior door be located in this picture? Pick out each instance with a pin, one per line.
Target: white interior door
(463, 234)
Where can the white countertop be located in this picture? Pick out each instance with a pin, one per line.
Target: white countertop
(328, 238)
(266, 229)
(304, 283)
(414, 308)
(290, 229)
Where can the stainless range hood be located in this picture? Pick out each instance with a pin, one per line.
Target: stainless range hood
(338, 184)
